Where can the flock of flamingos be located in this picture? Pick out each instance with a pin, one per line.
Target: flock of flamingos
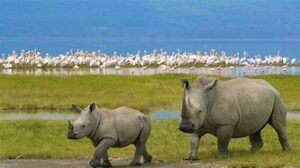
(79, 58)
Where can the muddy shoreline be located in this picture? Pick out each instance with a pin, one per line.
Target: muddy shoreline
(84, 163)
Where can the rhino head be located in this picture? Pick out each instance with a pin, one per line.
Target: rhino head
(84, 124)
(195, 101)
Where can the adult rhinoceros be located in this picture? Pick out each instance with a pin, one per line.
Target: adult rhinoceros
(231, 109)
(112, 128)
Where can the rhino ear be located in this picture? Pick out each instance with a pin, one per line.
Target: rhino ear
(185, 83)
(92, 107)
(210, 85)
(76, 108)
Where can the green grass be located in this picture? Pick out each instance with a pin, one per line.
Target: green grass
(146, 93)
(47, 139)
(59, 92)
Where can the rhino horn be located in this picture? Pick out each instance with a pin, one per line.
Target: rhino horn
(70, 125)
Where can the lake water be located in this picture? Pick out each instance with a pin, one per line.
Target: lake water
(228, 71)
(160, 115)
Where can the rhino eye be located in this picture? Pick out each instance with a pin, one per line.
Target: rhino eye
(82, 126)
(199, 111)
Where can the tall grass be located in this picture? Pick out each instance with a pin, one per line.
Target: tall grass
(47, 139)
(146, 93)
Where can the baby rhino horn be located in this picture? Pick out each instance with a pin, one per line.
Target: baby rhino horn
(70, 125)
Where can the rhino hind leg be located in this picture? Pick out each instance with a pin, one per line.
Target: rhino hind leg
(139, 150)
(282, 136)
(278, 122)
(140, 145)
(256, 141)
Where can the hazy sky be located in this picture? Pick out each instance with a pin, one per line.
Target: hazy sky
(150, 18)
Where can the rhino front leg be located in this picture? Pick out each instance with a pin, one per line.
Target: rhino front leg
(224, 133)
(256, 141)
(105, 160)
(195, 138)
(101, 149)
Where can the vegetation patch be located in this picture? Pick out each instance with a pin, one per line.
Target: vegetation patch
(146, 93)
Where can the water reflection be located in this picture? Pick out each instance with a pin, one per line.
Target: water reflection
(38, 116)
(162, 115)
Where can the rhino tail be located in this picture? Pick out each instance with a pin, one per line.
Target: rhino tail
(145, 130)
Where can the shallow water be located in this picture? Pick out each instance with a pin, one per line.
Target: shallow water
(227, 71)
(162, 115)
(176, 115)
(41, 116)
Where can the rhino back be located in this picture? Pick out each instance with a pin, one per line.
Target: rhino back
(246, 104)
(128, 123)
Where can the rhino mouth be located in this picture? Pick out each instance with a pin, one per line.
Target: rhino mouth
(72, 135)
(187, 127)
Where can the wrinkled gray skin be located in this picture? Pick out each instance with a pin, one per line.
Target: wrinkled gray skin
(231, 109)
(112, 128)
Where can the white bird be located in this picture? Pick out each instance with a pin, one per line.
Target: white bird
(75, 67)
(293, 61)
(7, 66)
(167, 61)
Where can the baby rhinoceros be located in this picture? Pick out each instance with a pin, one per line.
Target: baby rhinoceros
(119, 127)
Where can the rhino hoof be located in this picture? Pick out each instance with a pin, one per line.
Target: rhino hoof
(106, 164)
(135, 164)
(255, 150)
(191, 158)
(95, 163)
(222, 156)
(148, 159)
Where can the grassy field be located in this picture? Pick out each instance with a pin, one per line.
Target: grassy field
(146, 93)
(47, 139)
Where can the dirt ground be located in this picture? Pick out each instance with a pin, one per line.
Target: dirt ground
(84, 163)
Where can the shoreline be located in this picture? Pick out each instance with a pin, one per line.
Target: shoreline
(84, 162)
(229, 71)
